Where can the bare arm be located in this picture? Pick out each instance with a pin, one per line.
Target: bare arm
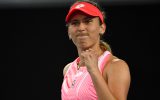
(114, 84)
(118, 80)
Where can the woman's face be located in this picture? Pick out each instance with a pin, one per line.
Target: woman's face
(84, 30)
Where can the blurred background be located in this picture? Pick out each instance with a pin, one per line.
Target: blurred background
(35, 46)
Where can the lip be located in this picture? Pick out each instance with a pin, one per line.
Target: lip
(82, 36)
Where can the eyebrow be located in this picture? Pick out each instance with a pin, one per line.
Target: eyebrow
(86, 18)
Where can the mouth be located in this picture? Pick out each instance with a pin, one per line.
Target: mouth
(82, 36)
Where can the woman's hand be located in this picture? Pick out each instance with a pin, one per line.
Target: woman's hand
(90, 60)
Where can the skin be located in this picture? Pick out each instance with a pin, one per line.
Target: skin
(114, 82)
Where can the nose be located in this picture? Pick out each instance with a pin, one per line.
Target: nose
(81, 27)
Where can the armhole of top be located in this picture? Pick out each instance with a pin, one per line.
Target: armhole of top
(65, 70)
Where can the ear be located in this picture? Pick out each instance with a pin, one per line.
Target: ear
(102, 28)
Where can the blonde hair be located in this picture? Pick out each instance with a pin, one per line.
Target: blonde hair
(105, 46)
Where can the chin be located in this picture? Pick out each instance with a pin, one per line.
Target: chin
(84, 47)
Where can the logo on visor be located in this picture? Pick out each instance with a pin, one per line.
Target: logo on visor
(80, 6)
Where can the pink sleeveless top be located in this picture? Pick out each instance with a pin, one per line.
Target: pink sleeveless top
(77, 84)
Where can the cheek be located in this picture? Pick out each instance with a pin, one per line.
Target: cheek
(71, 34)
(94, 31)
(94, 26)
(70, 31)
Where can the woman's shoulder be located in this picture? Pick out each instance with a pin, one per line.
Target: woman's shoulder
(66, 68)
(115, 66)
(114, 60)
(118, 62)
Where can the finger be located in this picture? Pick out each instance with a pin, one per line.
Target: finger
(87, 50)
(92, 52)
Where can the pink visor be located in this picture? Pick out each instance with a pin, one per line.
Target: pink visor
(86, 8)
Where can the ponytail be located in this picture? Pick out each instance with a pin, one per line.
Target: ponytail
(105, 46)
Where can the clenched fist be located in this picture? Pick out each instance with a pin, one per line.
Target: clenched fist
(90, 60)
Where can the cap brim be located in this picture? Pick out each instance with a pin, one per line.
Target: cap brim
(90, 13)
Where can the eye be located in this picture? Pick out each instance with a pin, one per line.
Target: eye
(88, 20)
(74, 23)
